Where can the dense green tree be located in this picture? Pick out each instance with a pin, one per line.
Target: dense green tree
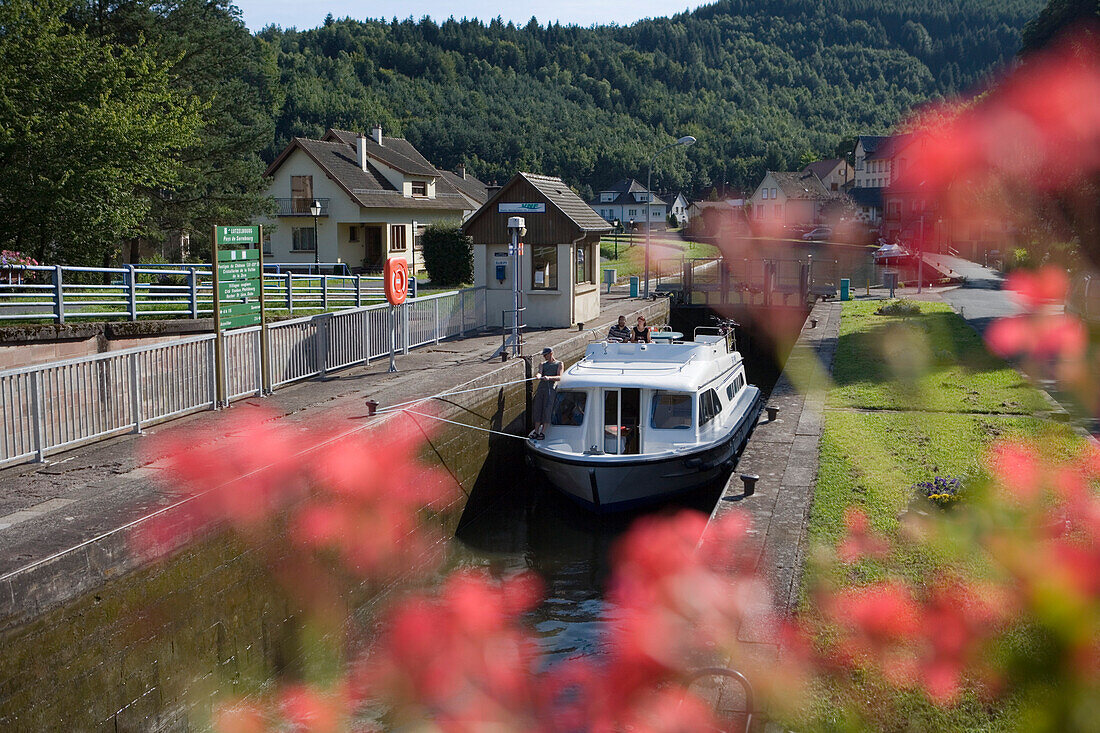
(213, 59)
(448, 255)
(86, 128)
(758, 82)
(1057, 17)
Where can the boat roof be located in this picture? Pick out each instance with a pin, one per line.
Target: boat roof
(683, 367)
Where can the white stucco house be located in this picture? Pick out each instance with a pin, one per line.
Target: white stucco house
(627, 201)
(375, 193)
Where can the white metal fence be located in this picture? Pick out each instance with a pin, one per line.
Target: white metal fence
(50, 407)
(60, 293)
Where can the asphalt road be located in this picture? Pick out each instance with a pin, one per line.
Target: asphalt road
(980, 299)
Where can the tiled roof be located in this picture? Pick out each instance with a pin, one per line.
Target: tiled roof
(469, 186)
(872, 142)
(568, 202)
(626, 188)
(367, 187)
(800, 185)
(822, 168)
(396, 152)
(866, 196)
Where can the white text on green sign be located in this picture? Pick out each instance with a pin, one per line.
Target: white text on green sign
(245, 270)
(237, 235)
(238, 289)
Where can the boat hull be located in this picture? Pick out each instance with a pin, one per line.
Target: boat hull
(604, 487)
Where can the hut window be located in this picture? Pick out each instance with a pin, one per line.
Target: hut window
(544, 268)
(583, 265)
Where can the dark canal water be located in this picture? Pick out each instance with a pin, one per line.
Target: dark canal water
(527, 525)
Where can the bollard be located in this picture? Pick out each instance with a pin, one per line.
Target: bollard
(772, 412)
(845, 286)
(749, 480)
(634, 282)
(813, 323)
(372, 407)
(580, 326)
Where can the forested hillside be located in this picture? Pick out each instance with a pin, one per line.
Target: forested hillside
(760, 83)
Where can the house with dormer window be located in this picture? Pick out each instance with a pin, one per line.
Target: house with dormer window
(627, 201)
(374, 193)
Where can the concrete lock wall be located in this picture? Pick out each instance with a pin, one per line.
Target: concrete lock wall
(39, 344)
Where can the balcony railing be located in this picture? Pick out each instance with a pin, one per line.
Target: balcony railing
(300, 206)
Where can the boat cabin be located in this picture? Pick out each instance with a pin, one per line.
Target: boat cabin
(638, 398)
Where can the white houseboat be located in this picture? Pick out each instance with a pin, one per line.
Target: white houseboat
(634, 423)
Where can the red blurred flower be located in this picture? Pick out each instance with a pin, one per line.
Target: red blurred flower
(859, 541)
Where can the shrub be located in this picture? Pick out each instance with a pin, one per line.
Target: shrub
(900, 307)
(448, 255)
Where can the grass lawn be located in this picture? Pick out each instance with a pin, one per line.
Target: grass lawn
(631, 259)
(934, 361)
(914, 398)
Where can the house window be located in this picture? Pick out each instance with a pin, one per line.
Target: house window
(583, 265)
(605, 197)
(419, 188)
(779, 211)
(833, 187)
(267, 244)
(398, 243)
(301, 194)
(774, 196)
(353, 233)
(765, 194)
(633, 212)
(544, 268)
(303, 239)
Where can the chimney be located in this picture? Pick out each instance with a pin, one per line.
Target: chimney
(461, 171)
(376, 133)
(361, 150)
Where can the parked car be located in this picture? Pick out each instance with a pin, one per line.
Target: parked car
(818, 234)
(1083, 298)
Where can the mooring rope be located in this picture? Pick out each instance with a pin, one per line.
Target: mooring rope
(464, 425)
(446, 393)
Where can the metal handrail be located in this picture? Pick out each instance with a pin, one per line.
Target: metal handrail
(49, 407)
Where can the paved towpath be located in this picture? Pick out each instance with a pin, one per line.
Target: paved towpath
(784, 454)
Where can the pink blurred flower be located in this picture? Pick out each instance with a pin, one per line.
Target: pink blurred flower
(859, 541)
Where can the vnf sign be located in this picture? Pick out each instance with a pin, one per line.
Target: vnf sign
(521, 208)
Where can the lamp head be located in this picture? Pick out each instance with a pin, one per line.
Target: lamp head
(686, 140)
(315, 208)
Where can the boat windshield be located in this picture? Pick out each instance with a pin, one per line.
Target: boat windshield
(671, 410)
(569, 408)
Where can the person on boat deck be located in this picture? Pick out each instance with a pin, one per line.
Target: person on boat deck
(641, 331)
(549, 375)
(619, 332)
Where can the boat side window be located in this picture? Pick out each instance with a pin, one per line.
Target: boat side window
(569, 408)
(735, 386)
(671, 410)
(709, 406)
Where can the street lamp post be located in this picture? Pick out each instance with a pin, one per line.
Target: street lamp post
(315, 209)
(685, 140)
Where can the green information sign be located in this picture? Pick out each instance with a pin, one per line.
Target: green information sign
(238, 315)
(239, 278)
(242, 270)
(236, 235)
(239, 290)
